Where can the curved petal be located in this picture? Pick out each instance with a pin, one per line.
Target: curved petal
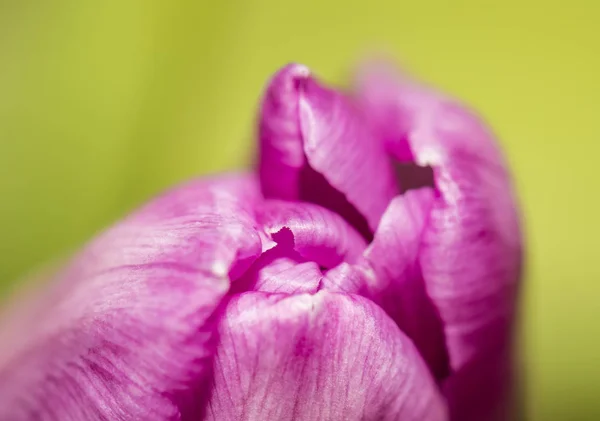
(280, 269)
(394, 257)
(128, 332)
(314, 146)
(317, 357)
(280, 136)
(394, 251)
(299, 240)
(390, 275)
(319, 234)
(471, 254)
(294, 279)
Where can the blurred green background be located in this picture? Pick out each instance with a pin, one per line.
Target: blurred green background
(103, 104)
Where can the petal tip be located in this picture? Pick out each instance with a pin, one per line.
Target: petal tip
(290, 77)
(297, 70)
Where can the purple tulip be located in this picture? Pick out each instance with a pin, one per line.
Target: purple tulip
(368, 271)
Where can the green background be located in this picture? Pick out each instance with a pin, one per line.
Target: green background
(103, 104)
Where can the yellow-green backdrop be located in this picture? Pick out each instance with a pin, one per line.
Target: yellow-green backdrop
(102, 104)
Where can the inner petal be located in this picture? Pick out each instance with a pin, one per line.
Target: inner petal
(281, 270)
(300, 242)
(318, 234)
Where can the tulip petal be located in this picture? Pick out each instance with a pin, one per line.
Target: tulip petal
(300, 240)
(319, 234)
(129, 331)
(317, 357)
(400, 290)
(390, 275)
(314, 146)
(294, 279)
(280, 269)
(394, 251)
(471, 254)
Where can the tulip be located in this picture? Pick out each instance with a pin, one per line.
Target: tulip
(367, 270)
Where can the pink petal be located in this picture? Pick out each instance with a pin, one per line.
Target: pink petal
(294, 279)
(400, 289)
(471, 255)
(317, 357)
(319, 234)
(390, 275)
(128, 332)
(280, 269)
(314, 146)
(300, 240)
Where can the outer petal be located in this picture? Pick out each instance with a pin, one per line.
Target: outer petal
(318, 357)
(316, 147)
(128, 332)
(471, 257)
